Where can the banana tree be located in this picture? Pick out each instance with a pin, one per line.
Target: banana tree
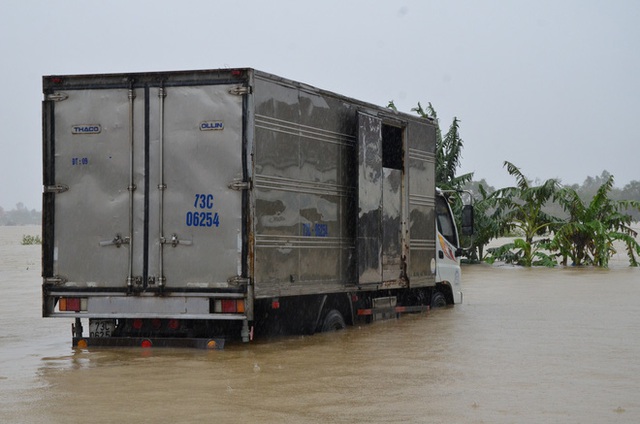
(588, 236)
(448, 151)
(519, 209)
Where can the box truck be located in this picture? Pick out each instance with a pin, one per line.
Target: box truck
(188, 208)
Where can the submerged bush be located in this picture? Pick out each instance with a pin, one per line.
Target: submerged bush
(28, 240)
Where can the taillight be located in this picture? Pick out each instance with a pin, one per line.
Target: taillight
(72, 304)
(240, 306)
(137, 324)
(173, 324)
(229, 306)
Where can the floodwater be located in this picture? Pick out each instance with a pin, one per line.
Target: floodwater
(525, 346)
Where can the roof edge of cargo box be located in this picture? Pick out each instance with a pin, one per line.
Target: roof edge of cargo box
(200, 77)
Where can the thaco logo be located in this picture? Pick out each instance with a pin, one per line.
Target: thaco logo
(86, 129)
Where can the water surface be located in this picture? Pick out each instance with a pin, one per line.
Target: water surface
(526, 346)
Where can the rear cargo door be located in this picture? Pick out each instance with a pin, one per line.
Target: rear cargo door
(195, 191)
(87, 201)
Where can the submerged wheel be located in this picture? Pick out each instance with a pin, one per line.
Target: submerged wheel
(333, 321)
(438, 300)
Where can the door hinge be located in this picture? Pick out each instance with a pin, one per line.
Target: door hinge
(56, 280)
(237, 280)
(240, 90)
(240, 185)
(56, 97)
(56, 188)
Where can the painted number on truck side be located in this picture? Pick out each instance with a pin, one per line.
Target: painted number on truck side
(203, 201)
(317, 230)
(204, 217)
(79, 161)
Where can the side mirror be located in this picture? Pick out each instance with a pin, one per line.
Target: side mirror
(467, 220)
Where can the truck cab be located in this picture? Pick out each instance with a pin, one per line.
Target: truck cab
(447, 251)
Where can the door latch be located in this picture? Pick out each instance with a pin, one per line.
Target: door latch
(174, 241)
(117, 241)
(56, 188)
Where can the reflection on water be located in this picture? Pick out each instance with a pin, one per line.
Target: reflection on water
(527, 346)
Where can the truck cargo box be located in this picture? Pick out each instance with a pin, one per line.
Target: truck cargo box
(193, 195)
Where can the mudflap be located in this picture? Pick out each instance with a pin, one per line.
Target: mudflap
(148, 342)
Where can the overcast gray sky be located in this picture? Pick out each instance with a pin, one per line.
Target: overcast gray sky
(550, 85)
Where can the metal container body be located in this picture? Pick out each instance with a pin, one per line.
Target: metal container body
(227, 183)
(303, 190)
(337, 208)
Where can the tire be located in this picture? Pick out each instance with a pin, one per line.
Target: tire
(438, 300)
(333, 321)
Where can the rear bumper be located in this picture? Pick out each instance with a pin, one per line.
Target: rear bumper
(147, 342)
(106, 305)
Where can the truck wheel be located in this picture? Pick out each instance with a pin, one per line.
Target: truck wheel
(438, 300)
(333, 321)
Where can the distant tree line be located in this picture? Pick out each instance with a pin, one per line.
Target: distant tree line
(20, 216)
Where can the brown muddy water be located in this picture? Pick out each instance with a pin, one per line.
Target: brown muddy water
(525, 346)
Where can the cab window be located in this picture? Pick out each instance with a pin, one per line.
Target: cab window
(444, 220)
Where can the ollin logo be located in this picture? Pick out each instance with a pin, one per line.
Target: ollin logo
(211, 125)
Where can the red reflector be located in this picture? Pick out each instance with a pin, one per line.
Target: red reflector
(228, 306)
(275, 304)
(236, 72)
(56, 80)
(137, 324)
(173, 324)
(146, 343)
(156, 323)
(73, 304)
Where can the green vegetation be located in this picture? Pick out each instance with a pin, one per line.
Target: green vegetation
(29, 240)
(448, 151)
(587, 236)
(520, 208)
(552, 223)
(485, 226)
(585, 233)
